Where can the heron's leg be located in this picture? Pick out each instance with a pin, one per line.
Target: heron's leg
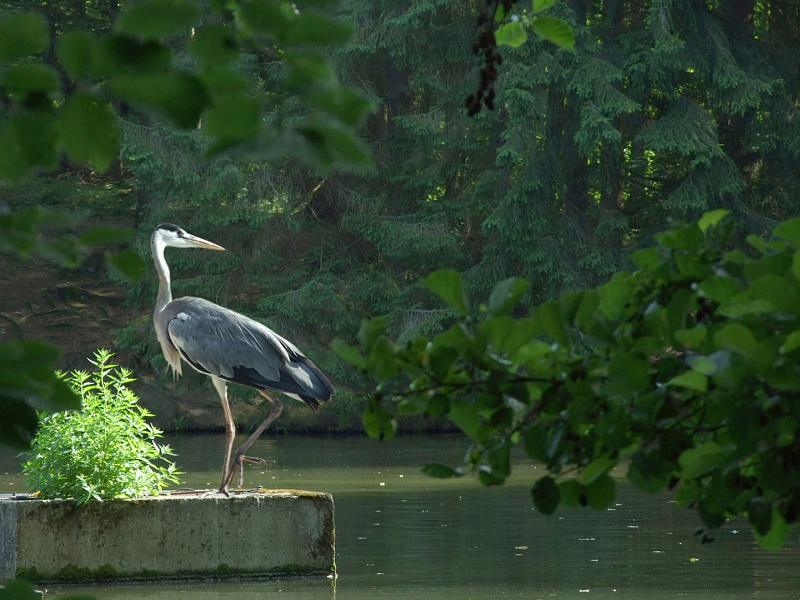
(230, 431)
(276, 407)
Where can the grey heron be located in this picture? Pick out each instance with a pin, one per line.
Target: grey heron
(229, 347)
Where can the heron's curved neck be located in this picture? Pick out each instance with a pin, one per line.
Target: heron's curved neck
(164, 291)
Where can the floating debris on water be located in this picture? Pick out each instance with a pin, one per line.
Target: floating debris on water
(520, 547)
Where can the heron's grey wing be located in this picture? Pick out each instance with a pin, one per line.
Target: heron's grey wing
(222, 342)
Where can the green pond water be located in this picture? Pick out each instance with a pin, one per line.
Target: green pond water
(401, 535)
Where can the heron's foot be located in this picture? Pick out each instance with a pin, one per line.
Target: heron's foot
(238, 465)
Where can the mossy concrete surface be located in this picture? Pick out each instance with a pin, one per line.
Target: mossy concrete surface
(249, 534)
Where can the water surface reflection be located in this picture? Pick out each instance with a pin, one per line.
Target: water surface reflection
(401, 535)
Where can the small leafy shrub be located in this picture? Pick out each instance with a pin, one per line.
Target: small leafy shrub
(107, 449)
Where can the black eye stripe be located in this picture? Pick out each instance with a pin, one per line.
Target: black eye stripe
(170, 227)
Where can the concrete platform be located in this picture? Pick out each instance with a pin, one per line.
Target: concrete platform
(259, 533)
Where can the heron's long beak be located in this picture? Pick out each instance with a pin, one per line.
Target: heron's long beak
(199, 242)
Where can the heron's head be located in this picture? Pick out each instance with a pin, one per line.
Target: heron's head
(168, 234)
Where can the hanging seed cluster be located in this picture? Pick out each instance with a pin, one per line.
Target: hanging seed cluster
(486, 45)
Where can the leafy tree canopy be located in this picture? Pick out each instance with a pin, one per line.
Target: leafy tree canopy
(684, 373)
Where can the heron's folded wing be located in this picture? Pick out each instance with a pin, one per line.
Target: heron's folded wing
(218, 343)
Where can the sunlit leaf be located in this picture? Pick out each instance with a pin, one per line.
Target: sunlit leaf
(595, 469)
(690, 379)
(542, 5)
(712, 218)
(775, 538)
(699, 461)
(511, 34)
(554, 30)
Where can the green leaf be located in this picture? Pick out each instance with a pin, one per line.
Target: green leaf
(699, 461)
(22, 34)
(791, 343)
(691, 338)
(126, 264)
(447, 284)
(266, 16)
(334, 145)
(775, 538)
(117, 55)
(615, 294)
(378, 423)
(153, 19)
(712, 218)
(27, 141)
(342, 103)
(601, 492)
(18, 589)
(737, 337)
(506, 294)
(542, 5)
(511, 34)
(642, 475)
(439, 471)
(310, 28)
(692, 380)
(232, 119)
(30, 77)
(381, 359)
(19, 422)
(348, 353)
(106, 234)
(370, 330)
(88, 131)
(719, 289)
(465, 416)
(702, 364)
(554, 30)
(215, 45)
(788, 230)
(546, 495)
(551, 320)
(759, 512)
(178, 96)
(570, 492)
(75, 50)
(796, 265)
(595, 469)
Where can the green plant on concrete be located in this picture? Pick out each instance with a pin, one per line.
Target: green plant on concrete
(107, 449)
